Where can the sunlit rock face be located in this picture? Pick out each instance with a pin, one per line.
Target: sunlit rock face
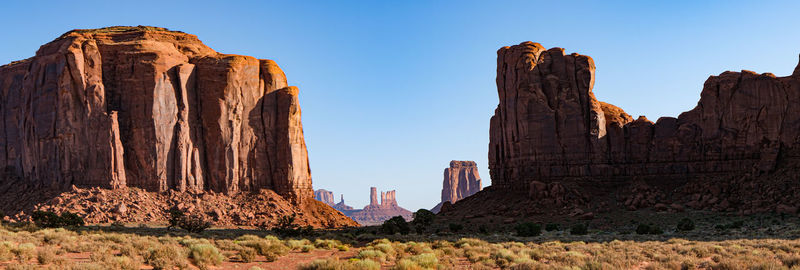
(151, 108)
(549, 128)
(461, 180)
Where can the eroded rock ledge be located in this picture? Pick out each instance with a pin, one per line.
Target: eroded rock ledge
(737, 150)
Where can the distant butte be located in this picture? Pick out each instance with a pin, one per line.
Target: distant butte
(461, 180)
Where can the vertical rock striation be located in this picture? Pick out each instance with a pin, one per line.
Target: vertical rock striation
(461, 180)
(151, 108)
(549, 130)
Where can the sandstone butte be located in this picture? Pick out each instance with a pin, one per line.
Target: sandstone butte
(461, 180)
(326, 197)
(553, 144)
(373, 214)
(144, 108)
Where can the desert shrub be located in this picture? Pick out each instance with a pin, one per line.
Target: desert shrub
(579, 229)
(166, 257)
(68, 219)
(271, 248)
(455, 227)
(247, 254)
(528, 229)
(395, 225)
(204, 255)
(307, 248)
(191, 223)
(552, 227)
(427, 260)
(325, 264)
(326, 244)
(194, 224)
(372, 254)
(123, 263)
(648, 229)
(287, 228)
(406, 264)
(5, 251)
(790, 260)
(297, 244)
(685, 224)
(342, 248)
(47, 219)
(45, 255)
(423, 218)
(366, 265)
(25, 251)
(175, 217)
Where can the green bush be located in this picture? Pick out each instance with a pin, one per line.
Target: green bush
(648, 229)
(552, 227)
(685, 224)
(395, 225)
(528, 229)
(47, 219)
(455, 227)
(190, 223)
(423, 218)
(579, 229)
(71, 220)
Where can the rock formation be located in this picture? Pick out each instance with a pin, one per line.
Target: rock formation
(461, 180)
(324, 196)
(737, 150)
(342, 207)
(376, 213)
(149, 108)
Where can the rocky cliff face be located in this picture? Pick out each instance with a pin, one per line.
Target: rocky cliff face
(551, 138)
(324, 196)
(461, 180)
(154, 109)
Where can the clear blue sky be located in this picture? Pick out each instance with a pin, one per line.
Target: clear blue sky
(391, 91)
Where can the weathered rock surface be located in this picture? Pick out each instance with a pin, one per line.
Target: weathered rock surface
(324, 196)
(737, 150)
(461, 180)
(153, 109)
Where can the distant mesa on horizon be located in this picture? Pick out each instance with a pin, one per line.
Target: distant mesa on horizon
(461, 180)
(375, 213)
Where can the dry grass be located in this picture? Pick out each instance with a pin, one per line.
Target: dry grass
(51, 248)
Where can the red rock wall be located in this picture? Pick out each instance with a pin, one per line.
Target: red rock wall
(549, 127)
(151, 109)
(461, 180)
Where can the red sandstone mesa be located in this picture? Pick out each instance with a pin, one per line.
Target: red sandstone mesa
(154, 109)
(737, 150)
(461, 180)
